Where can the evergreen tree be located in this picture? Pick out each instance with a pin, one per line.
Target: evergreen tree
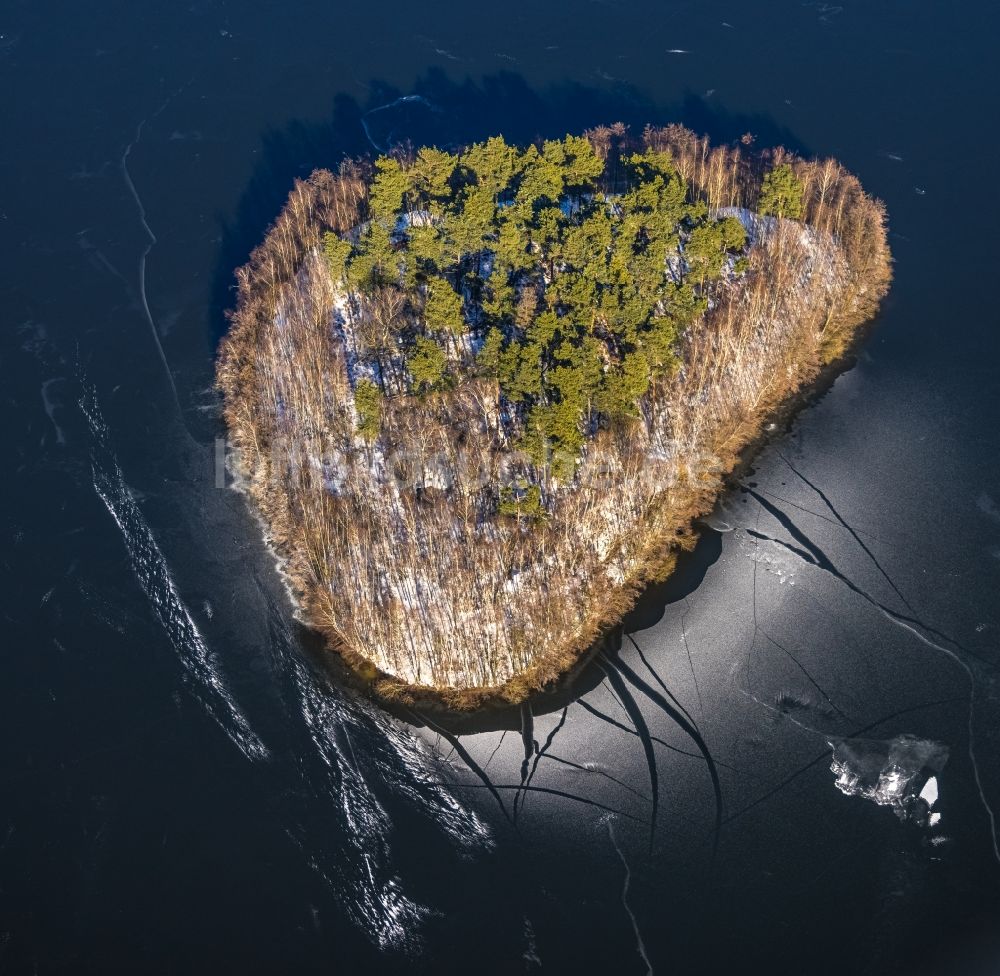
(683, 304)
(521, 501)
(513, 244)
(659, 342)
(624, 387)
(443, 309)
(520, 371)
(385, 195)
(373, 263)
(426, 254)
(542, 181)
(781, 193)
(581, 165)
(471, 225)
(552, 437)
(430, 178)
(336, 251)
(427, 364)
(498, 302)
(488, 358)
(493, 164)
(368, 403)
(710, 244)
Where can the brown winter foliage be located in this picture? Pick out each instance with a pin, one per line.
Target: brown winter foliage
(395, 548)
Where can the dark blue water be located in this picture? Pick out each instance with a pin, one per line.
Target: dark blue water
(183, 788)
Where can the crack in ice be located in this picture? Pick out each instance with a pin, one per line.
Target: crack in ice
(910, 624)
(640, 945)
(152, 240)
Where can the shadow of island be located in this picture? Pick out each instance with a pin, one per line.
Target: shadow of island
(446, 113)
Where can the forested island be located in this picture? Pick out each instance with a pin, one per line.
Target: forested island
(479, 398)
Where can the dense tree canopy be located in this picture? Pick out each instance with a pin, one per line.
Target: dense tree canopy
(518, 265)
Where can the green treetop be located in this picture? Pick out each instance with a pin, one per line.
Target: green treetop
(781, 193)
(430, 178)
(710, 244)
(368, 403)
(623, 387)
(493, 164)
(427, 364)
(385, 195)
(336, 251)
(443, 309)
(576, 299)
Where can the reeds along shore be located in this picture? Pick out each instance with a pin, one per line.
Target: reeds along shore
(394, 547)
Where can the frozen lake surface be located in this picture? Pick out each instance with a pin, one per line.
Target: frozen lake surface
(791, 757)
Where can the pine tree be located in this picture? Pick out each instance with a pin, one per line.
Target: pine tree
(488, 359)
(385, 195)
(521, 501)
(336, 251)
(781, 193)
(427, 364)
(709, 245)
(368, 403)
(427, 246)
(493, 164)
(443, 309)
(520, 371)
(430, 178)
(624, 386)
(659, 342)
(498, 302)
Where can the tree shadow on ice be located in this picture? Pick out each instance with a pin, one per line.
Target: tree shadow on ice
(447, 113)
(687, 576)
(587, 676)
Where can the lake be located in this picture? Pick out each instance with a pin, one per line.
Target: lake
(185, 788)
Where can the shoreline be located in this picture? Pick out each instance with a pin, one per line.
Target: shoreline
(660, 535)
(465, 710)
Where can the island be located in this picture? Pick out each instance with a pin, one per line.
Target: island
(479, 398)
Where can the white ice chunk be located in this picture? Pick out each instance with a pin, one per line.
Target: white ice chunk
(929, 793)
(896, 773)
